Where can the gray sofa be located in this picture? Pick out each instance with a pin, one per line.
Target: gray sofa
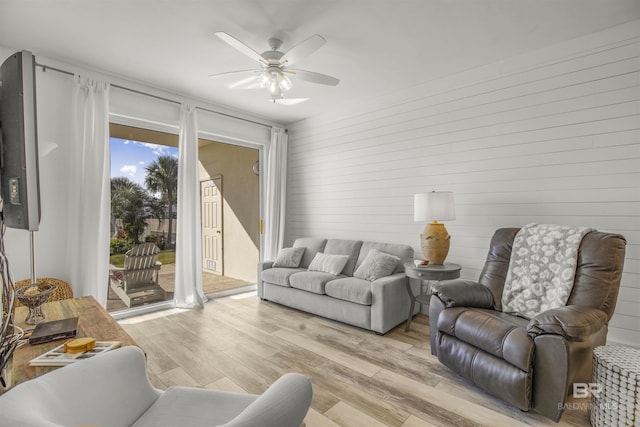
(377, 305)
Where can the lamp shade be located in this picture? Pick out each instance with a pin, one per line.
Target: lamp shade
(434, 206)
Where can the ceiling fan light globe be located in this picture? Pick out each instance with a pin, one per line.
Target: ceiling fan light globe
(264, 80)
(285, 83)
(275, 90)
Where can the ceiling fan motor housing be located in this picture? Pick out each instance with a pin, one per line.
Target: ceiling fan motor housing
(275, 43)
(272, 56)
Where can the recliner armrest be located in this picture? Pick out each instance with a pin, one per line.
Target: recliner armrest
(574, 322)
(463, 293)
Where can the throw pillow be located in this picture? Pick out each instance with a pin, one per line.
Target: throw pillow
(376, 265)
(289, 257)
(327, 263)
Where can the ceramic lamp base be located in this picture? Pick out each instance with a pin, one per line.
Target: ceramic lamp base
(435, 242)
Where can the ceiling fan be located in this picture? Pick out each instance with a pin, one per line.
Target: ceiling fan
(274, 73)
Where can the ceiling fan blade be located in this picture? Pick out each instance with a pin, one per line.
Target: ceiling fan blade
(238, 45)
(231, 73)
(312, 77)
(303, 49)
(247, 83)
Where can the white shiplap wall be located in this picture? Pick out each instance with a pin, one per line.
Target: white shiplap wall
(549, 137)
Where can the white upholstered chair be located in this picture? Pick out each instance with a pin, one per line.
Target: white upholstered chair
(112, 390)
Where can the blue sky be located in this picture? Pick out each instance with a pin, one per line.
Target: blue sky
(130, 158)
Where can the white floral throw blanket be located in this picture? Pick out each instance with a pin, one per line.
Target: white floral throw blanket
(542, 268)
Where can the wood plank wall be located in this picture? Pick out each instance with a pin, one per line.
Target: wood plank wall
(552, 136)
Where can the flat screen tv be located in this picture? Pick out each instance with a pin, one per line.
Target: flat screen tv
(19, 178)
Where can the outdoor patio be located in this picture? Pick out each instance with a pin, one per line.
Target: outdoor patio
(211, 283)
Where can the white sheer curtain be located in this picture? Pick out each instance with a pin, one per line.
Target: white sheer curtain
(188, 286)
(276, 193)
(90, 190)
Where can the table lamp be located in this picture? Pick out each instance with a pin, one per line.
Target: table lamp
(434, 206)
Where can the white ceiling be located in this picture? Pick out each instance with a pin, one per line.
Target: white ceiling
(373, 46)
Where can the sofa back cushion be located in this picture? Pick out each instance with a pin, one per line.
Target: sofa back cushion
(351, 248)
(404, 252)
(312, 246)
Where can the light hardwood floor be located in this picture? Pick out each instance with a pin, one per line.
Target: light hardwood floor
(359, 378)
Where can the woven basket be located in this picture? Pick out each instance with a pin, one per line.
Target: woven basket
(616, 370)
(63, 289)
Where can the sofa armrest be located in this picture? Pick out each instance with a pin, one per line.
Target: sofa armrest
(262, 266)
(284, 404)
(389, 280)
(389, 302)
(573, 322)
(463, 293)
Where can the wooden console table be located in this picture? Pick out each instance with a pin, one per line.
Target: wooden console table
(94, 321)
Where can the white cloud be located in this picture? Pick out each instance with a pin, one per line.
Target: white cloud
(158, 150)
(129, 170)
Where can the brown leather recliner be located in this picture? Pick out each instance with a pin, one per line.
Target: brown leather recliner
(530, 363)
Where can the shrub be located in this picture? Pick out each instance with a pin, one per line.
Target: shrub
(157, 239)
(120, 246)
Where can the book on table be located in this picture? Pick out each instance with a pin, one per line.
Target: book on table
(54, 330)
(58, 357)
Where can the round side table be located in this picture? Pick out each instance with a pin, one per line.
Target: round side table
(436, 272)
(616, 376)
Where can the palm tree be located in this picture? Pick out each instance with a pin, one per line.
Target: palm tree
(127, 204)
(162, 177)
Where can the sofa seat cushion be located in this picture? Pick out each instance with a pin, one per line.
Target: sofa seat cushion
(501, 335)
(182, 406)
(311, 281)
(350, 289)
(279, 275)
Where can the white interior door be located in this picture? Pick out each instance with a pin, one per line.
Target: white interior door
(211, 199)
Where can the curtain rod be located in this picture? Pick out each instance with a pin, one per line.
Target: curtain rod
(69, 73)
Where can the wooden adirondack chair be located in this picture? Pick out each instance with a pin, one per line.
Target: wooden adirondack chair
(137, 282)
